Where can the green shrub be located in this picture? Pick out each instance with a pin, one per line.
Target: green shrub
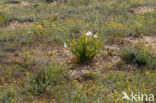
(139, 56)
(85, 48)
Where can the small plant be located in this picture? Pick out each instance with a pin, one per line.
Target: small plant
(85, 47)
(139, 56)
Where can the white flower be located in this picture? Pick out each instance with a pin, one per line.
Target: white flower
(29, 32)
(95, 36)
(89, 33)
(65, 45)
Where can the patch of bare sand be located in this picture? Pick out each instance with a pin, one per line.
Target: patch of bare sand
(53, 3)
(16, 24)
(143, 9)
(18, 4)
(25, 3)
(12, 4)
(145, 40)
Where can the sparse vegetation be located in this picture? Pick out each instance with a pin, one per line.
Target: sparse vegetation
(52, 76)
(139, 56)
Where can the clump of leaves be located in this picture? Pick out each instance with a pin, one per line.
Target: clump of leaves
(139, 56)
(85, 48)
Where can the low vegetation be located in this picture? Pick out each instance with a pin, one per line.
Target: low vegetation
(139, 56)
